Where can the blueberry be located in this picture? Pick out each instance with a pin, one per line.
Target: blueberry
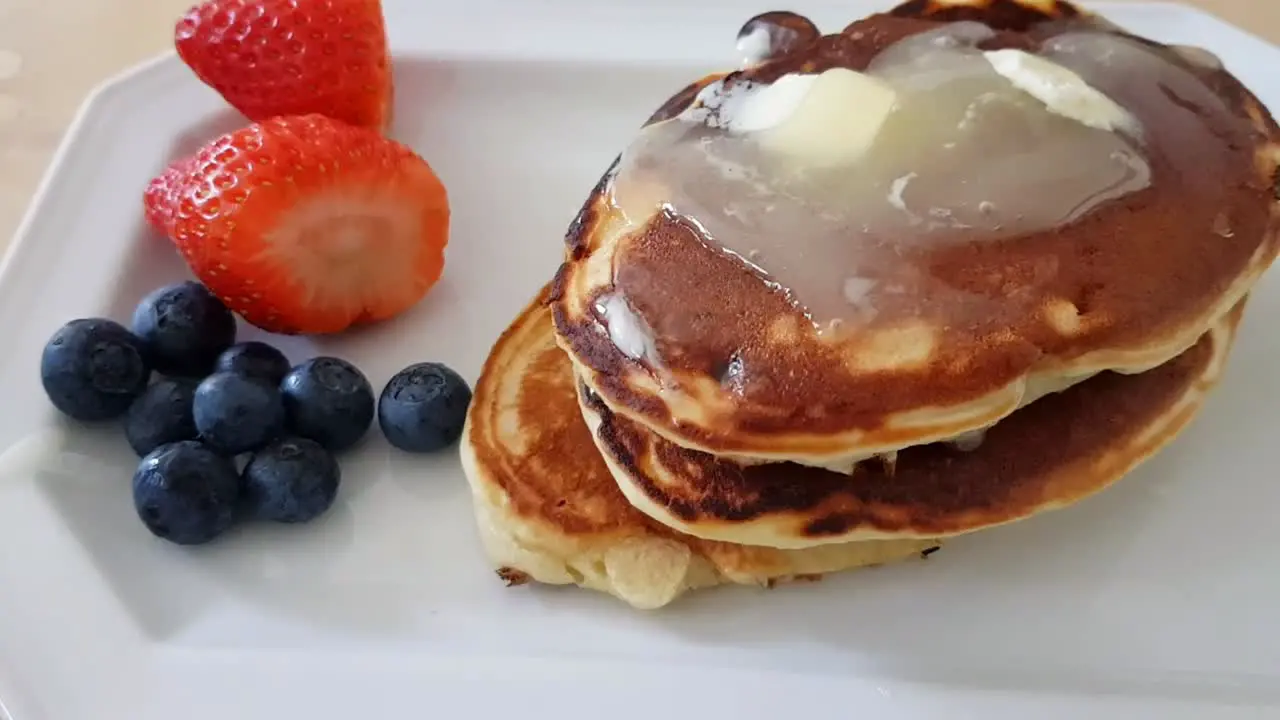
(185, 328)
(236, 414)
(161, 416)
(424, 407)
(254, 359)
(186, 493)
(294, 480)
(94, 369)
(328, 400)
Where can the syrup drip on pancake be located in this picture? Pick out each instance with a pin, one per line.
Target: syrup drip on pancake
(964, 157)
(1197, 133)
(774, 34)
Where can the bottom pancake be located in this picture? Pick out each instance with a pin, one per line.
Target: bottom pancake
(1045, 456)
(550, 511)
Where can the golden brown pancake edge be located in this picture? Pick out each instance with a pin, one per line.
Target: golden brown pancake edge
(559, 499)
(1048, 455)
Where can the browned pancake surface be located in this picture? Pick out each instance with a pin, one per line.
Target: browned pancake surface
(552, 476)
(1049, 454)
(1129, 274)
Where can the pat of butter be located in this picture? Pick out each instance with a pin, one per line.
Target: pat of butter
(817, 120)
(1062, 91)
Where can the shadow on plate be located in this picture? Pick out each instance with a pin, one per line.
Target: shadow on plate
(1083, 599)
(1104, 597)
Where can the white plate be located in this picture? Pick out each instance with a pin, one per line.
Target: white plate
(1156, 599)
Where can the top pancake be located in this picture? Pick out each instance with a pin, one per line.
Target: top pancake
(732, 366)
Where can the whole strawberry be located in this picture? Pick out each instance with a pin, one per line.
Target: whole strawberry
(306, 224)
(292, 57)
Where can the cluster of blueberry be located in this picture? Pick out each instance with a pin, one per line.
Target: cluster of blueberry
(218, 402)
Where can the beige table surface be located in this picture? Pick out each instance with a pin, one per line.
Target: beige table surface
(52, 52)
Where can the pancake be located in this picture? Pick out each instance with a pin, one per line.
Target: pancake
(678, 332)
(549, 511)
(1046, 456)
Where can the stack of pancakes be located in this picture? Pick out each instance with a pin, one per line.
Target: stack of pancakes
(667, 415)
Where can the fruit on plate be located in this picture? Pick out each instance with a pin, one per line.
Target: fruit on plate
(184, 328)
(293, 480)
(162, 415)
(237, 414)
(160, 205)
(306, 224)
(254, 359)
(285, 423)
(422, 409)
(93, 369)
(329, 401)
(189, 430)
(186, 493)
(284, 57)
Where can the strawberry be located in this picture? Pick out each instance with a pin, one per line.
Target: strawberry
(292, 57)
(159, 204)
(306, 224)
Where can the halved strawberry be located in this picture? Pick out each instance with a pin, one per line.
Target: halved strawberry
(306, 224)
(286, 57)
(159, 203)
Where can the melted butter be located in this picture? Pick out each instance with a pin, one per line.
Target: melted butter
(962, 155)
(1195, 122)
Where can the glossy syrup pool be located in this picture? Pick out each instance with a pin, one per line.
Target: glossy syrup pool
(963, 156)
